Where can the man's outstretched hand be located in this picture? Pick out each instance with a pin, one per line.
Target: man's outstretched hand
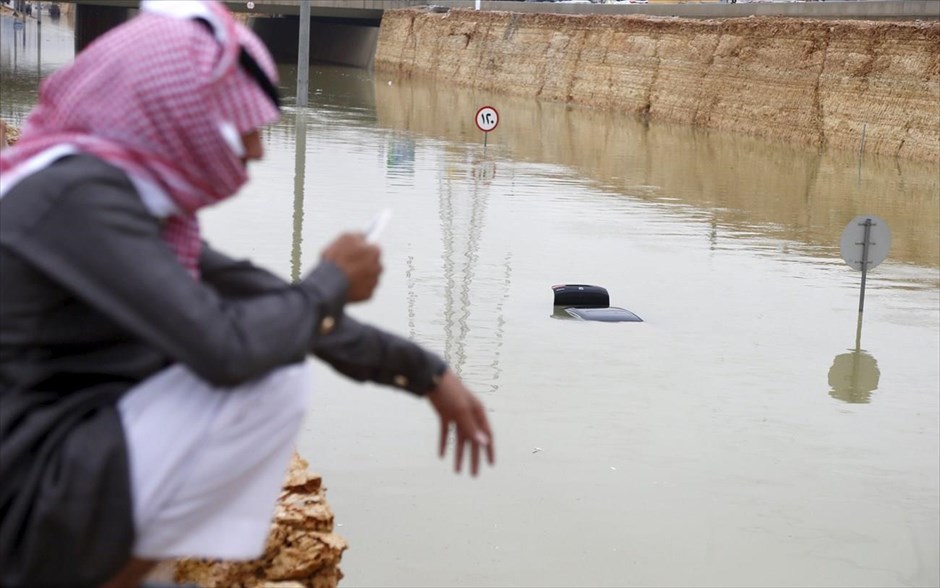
(458, 407)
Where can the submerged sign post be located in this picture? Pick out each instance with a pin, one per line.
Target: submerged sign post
(865, 243)
(487, 118)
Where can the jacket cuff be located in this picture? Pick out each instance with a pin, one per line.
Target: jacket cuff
(420, 378)
(327, 285)
(426, 380)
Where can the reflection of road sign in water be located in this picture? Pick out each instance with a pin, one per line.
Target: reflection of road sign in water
(401, 154)
(487, 118)
(853, 377)
(853, 242)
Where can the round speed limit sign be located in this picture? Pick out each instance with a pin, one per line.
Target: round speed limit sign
(487, 119)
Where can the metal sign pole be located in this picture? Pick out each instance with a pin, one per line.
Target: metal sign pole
(875, 241)
(865, 244)
(39, 41)
(303, 54)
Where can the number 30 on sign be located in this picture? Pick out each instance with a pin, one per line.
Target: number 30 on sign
(487, 118)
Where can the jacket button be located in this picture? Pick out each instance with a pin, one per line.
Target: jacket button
(400, 381)
(326, 325)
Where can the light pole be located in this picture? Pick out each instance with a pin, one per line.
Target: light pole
(303, 54)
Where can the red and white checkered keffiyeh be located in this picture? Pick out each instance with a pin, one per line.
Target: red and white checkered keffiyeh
(150, 97)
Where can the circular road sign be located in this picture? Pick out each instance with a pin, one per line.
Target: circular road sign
(853, 241)
(487, 118)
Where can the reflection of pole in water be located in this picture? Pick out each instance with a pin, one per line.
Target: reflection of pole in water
(300, 157)
(459, 273)
(858, 333)
(861, 152)
(457, 297)
(448, 328)
(412, 297)
(713, 234)
(451, 339)
(501, 322)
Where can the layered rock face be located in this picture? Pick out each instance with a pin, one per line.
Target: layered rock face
(301, 552)
(8, 134)
(841, 84)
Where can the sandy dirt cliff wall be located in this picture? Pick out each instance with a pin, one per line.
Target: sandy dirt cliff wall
(301, 552)
(823, 83)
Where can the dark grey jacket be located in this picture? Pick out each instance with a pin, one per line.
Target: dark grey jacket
(92, 302)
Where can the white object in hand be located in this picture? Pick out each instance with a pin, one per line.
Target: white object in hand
(377, 226)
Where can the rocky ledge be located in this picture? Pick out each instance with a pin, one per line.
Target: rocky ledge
(302, 550)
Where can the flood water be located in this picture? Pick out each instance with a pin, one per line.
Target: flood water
(750, 432)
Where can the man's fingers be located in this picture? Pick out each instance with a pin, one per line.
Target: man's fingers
(458, 461)
(474, 457)
(457, 407)
(470, 430)
(442, 445)
(485, 426)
